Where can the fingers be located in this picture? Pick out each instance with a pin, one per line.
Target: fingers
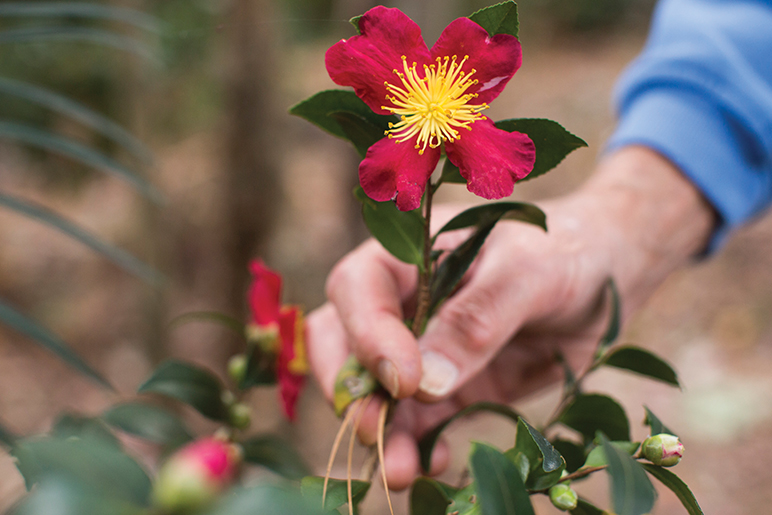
(402, 460)
(367, 289)
(327, 346)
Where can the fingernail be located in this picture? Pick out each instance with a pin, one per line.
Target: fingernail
(389, 377)
(439, 374)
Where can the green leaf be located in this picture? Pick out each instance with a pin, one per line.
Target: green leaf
(353, 382)
(359, 131)
(452, 269)
(64, 496)
(235, 325)
(500, 488)
(77, 111)
(428, 497)
(192, 385)
(75, 426)
(80, 10)
(572, 452)
(317, 110)
(498, 19)
(678, 487)
(79, 152)
(355, 22)
(591, 413)
(614, 324)
(631, 490)
(451, 173)
(120, 257)
(78, 34)
(463, 501)
(337, 491)
(7, 437)
(400, 232)
(264, 499)
(655, 424)
(261, 368)
(545, 464)
(42, 336)
(275, 454)
(586, 508)
(553, 143)
(91, 463)
(429, 440)
(597, 456)
(148, 422)
(642, 362)
(480, 215)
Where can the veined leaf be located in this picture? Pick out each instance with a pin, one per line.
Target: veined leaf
(678, 487)
(482, 214)
(317, 109)
(80, 34)
(312, 488)
(641, 362)
(545, 464)
(655, 424)
(498, 19)
(429, 440)
(597, 456)
(359, 131)
(572, 452)
(76, 111)
(118, 256)
(275, 454)
(46, 339)
(79, 152)
(80, 10)
(428, 497)
(591, 413)
(500, 489)
(631, 490)
(149, 422)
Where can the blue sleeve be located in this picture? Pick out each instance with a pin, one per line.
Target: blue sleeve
(700, 94)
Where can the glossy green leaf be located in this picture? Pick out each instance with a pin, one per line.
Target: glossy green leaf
(597, 456)
(631, 490)
(120, 257)
(358, 130)
(353, 382)
(148, 422)
(429, 440)
(63, 496)
(265, 499)
(70, 425)
(498, 19)
(235, 325)
(500, 489)
(192, 385)
(355, 22)
(451, 173)
(452, 269)
(544, 463)
(572, 452)
(655, 424)
(428, 497)
(92, 463)
(261, 368)
(674, 483)
(49, 341)
(480, 215)
(77, 111)
(642, 362)
(275, 454)
(614, 324)
(463, 501)
(586, 508)
(317, 110)
(591, 413)
(337, 491)
(79, 152)
(7, 437)
(78, 34)
(80, 10)
(400, 232)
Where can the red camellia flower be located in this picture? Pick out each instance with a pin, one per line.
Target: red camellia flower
(279, 330)
(438, 95)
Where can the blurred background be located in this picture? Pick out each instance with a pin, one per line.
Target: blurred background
(206, 85)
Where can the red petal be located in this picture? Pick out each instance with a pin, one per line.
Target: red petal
(495, 59)
(365, 62)
(264, 294)
(394, 170)
(289, 384)
(491, 159)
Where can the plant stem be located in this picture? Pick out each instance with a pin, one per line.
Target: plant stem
(425, 274)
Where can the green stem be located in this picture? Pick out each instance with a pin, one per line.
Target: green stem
(425, 273)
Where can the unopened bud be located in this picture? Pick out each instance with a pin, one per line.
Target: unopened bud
(237, 368)
(240, 416)
(663, 449)
(563, 497)
(195, 475)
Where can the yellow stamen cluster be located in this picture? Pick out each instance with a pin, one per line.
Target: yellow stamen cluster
(433, 107)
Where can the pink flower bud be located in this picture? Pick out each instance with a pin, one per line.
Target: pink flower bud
(663, 449)
(196, 474)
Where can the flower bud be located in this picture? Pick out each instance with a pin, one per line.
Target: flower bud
(237, 368)
(240, 416)
(563, 497)
(663, 449)
(195, 475)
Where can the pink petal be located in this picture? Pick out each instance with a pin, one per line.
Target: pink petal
(264, 294)
(365, 62)
(495, 59)
(396, 171)
(289, 384)
(491, 159)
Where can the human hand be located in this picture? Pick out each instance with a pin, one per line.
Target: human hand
(529, 297)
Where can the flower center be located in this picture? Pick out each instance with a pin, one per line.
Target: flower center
(434, 107)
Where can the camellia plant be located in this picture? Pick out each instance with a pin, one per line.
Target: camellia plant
(410, 107)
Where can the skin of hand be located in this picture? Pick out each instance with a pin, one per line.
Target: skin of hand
(529, 295)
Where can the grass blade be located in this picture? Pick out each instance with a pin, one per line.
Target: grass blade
(78, 152)
(46, 339)
(80, 10)
(118, 256)
(83, 34)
